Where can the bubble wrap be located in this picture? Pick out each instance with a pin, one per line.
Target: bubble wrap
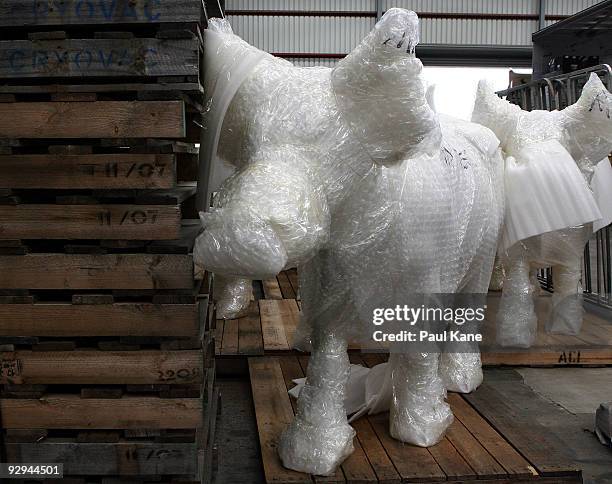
(419, 414)
(232, 296)
(351, 176)
(256, 250)
(498, 276)
(319, 437)
(517, 323)
(461, 369)
(555, 206)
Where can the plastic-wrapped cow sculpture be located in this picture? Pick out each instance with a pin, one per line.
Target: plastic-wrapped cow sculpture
(549, 162)
(349, 174)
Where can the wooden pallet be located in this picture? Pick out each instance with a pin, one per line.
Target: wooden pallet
(100, 215)
(473, 449)
(103, 412)
(269, 327)
(106, 326)
(98, 119)
(90, 171)
(110, 271)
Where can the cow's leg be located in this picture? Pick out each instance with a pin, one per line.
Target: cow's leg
(460, 362)
(516, 318)
(320, 438)
(232, 296)
(419, 415)
(567, 311)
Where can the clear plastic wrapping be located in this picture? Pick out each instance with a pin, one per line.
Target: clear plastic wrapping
(319, 437)
(350, 175)
(419, 414)
(517, 322)
(498, 275)
(567, 302)
(461, 371)
(256, 250)
(232, 296)
(549, 161)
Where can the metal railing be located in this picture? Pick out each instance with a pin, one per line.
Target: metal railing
(557, 92)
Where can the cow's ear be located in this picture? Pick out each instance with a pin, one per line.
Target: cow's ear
(493, 112)
(595, 98)
(588, 123)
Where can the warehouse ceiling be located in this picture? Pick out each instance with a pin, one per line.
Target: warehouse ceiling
(453, 32)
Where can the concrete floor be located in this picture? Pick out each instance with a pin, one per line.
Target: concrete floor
(238, 457)
(568, 399)
(563, 400)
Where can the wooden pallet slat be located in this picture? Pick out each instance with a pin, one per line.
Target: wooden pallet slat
(414, 464)
(69, 58)
(292, 275)
(144, 367)
(107, 459)
(272, 289)
(357, 467)
(524, 434)
(73, 412)
(381, 463)
(273, 413)
(514, 463)
(118, 319)
(475, 455)
(99, 119)
(250, 340)
(285, 286)
(279, 319)
(231, 331)
(90, 171)
(108, 221)
(91, 271)
(17, 13)
(450, 461)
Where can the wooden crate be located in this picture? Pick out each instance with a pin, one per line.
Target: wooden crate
(106, 328)
(24, 14)
(472, 451)
(108, 412)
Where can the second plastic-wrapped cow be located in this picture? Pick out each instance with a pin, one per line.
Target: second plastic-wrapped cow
(549, 161)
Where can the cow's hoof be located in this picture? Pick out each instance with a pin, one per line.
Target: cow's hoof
(423, 424)
(313, 449)
(566, 316)
(516, 327)
(461, 372)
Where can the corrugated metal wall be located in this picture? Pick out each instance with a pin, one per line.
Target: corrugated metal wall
(301, 26)
(319, 5)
